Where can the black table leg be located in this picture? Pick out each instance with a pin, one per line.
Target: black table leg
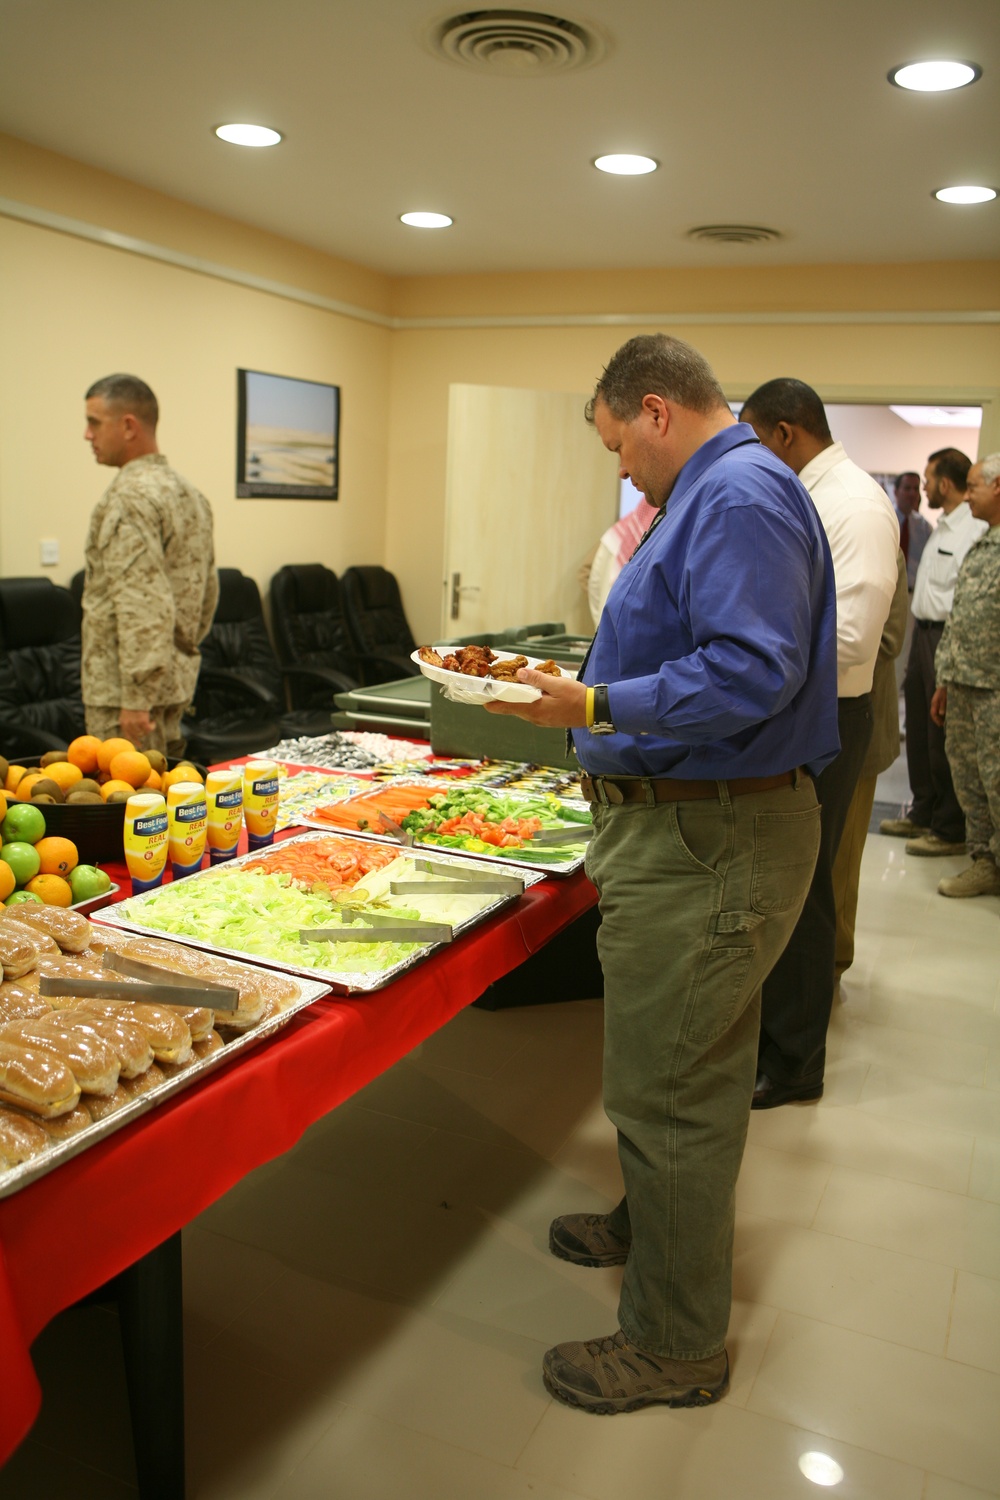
(152, 1328)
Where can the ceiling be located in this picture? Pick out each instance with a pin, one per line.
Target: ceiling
(772, 112)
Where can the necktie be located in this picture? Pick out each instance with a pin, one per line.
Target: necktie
(904, 537)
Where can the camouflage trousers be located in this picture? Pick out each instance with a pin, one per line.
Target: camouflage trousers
(972, 742)
(166, 735)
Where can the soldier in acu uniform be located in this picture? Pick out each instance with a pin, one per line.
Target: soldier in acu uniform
(151, 587)
(967, 701)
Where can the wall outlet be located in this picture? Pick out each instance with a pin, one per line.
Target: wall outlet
(50, 553)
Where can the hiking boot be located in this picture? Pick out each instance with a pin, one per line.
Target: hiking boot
(902, 828)
(931, 845)
(586, 1240)
(610, 1375)
(982, 878)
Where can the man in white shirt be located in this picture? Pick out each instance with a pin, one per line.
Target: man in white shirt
(935, 824)
(863, 533)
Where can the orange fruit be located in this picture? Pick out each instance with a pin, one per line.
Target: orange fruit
(27, 782)
(58, 855)
(109, 749)
(131, 766)
(183, 772)
(7, 881)
(51, 889)
(154, 783)
(116, 786)
(3, 811)
(14, 774)
(83, 752)
(63, 774)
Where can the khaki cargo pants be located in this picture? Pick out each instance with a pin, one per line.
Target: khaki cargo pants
(697, 901)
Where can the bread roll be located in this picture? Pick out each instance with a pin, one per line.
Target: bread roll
(68, 1125)
(126, 1038)
(18, 954)
(20, 1139)
(90, 1059)
(19, 1004)
(70, 929)
(43, 941)
(127, 1090)
(84, 966)
(37, 1079)
(168, 1034)
(205, 1047)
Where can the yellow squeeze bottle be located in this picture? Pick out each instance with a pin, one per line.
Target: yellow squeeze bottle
(145, 840)
(187, 826)
(260, 801)
(224, 792)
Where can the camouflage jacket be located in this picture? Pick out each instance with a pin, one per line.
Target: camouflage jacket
(151, 588)
(967, 652)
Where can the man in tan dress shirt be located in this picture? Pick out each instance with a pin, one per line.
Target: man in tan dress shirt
(151, 586)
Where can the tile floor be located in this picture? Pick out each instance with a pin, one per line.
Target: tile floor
(365, 1317)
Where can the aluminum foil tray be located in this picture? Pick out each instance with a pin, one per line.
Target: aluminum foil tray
(15, 1178)
(128, 914)
(522, 860)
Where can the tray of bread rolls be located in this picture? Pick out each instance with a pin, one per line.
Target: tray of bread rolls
(80, 1058)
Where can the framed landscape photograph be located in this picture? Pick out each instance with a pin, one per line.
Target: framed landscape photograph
(288, 432)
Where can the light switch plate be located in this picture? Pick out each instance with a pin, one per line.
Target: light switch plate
(50, 553)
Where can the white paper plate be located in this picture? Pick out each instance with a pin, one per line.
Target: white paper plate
(462, 689)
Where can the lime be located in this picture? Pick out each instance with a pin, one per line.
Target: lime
(87, 881)
(23, 824)
(23, 860)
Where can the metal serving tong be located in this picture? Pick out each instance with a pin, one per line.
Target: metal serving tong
(398, 833)
(160, 985)
(382, 928)
(576, 833)
(459, 881)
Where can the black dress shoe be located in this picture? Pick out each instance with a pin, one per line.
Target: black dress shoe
(767, 1093)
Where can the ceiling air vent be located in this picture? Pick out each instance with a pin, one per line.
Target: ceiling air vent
(734, 234)
(516, 43)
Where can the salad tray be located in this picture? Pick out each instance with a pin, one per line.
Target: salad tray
(15, 1178)
(547, 858)
(333, 966)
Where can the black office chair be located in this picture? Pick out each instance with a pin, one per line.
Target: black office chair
(240, 698)
(41, 707)
(310, 634)
(379, 628)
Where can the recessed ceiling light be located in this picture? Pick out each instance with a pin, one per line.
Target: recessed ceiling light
(940, 416)
(935, 77)
(966, 194)
(626, 166)
(248, 135)
(426, 221)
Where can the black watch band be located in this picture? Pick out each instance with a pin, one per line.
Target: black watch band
(602, 711)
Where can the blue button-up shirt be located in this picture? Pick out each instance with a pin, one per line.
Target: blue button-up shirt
(718, 641)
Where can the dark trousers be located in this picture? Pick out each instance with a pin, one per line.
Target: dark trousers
(798, 993)
(935, 805)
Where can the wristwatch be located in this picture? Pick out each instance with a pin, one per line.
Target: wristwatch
(602, 711)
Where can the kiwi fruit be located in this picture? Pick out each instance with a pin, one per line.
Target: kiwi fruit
(44, 798)
(86, 784)
(157, 760)
(46, 787)
(117, 797)
(4, 768)
(76, 797)
(51, 756)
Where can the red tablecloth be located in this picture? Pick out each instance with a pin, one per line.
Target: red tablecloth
(90, 1218)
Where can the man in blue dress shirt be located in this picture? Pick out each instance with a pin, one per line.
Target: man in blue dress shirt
(707, 703)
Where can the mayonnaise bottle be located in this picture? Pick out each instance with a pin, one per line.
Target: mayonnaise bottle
(187, 826)
(260, 801)
(224, 794)
(145, 840)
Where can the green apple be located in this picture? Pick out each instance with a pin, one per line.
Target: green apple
(87, 881)
(23, 860)
(23, 824)
(18, 898)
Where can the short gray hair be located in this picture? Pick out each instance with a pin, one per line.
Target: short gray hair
(128, 393)
(659, 365)
(990, 466)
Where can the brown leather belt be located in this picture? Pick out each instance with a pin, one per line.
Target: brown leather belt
(612, 790)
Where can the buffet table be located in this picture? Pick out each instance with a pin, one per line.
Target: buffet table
(132, 1192)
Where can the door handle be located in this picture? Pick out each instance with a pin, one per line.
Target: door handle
(457, 590)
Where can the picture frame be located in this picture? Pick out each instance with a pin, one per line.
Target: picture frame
(287, 438)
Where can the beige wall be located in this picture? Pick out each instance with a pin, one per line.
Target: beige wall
(71, 310)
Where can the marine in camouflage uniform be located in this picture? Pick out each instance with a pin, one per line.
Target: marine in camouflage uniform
(968, 666)
(149, 597)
